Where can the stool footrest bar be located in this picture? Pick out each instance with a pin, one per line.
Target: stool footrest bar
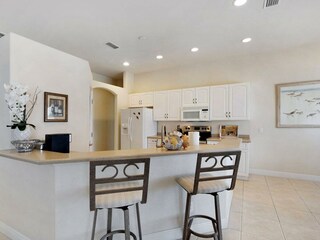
(203, 235)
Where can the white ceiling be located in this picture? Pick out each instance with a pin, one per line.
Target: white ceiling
(170, 27)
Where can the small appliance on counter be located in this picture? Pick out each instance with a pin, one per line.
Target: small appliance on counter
(228, 131)
(57, 142)
(204, 132)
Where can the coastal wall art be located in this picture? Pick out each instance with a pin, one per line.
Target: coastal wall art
(298, 104)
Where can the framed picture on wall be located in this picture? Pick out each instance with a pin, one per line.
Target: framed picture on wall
(298, 104)
(55, 107)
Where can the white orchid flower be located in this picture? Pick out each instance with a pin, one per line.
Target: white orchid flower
(17, 98)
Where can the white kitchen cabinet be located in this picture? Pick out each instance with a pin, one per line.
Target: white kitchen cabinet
(243, 170)
(229, 102)
(141, 99)
(192, 97)
(167, 105)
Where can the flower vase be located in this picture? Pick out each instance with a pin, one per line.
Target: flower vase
(22, 135)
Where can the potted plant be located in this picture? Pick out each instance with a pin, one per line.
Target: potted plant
(18, 99)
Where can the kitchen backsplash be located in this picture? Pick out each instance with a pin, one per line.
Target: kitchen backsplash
(244, 126)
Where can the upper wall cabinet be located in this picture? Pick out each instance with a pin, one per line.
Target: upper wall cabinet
(230, 102)
(141, 99)
(192, 97)
(167, 105)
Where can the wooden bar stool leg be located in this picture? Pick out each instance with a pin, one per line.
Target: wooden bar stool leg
(186, 217)
(139, 222)
(109, 224)
(126, 223)
(94, 224)
(218, 216)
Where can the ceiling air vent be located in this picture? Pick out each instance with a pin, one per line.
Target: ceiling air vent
(110, 44)
(1, 35)
(270, 3)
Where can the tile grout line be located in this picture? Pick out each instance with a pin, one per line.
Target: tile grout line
(274, 206)
(301, 198)
(309, 210)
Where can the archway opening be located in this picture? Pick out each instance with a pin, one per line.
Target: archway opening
(103, 120)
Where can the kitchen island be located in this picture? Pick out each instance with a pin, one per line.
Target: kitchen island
(45, 195)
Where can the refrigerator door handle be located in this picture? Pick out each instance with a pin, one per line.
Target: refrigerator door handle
(130, 129)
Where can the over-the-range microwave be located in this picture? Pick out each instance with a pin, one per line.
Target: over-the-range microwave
(195, 114)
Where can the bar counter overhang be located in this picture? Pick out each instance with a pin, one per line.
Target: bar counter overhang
(45, 195)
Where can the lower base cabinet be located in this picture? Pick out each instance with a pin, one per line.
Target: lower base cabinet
(243, 171)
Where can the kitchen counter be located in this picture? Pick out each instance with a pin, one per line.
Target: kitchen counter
(45, 195)
(215, 137)
(244, 138)
(47, 157)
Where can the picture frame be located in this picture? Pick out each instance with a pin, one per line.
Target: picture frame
(298, 104)
(55, 107)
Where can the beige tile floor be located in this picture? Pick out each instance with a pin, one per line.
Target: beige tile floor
(271, 208)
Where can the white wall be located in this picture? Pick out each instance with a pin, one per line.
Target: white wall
(293, 150)
(4, 77)
(51, 70)
(104, 79)
(35, 187)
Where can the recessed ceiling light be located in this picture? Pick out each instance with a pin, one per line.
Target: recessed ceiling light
(195, 49)
(159, 57)
(246, 40)
(239, 3)
(126, 64)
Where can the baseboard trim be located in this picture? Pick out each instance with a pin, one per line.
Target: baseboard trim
(285, 175)
(11, 232)
(172, 234)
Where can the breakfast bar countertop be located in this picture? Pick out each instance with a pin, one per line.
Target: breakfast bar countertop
(46, 157)
(244, 138)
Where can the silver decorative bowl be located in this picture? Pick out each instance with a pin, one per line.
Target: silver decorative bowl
(24, 145)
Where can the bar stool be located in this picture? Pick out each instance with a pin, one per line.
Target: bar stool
(215, 172)
(118, 190)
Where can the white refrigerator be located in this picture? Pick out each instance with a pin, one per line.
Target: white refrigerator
(136, 125)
